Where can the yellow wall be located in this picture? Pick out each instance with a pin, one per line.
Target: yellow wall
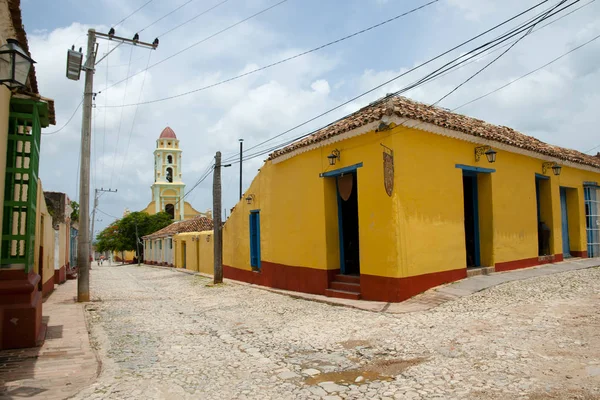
(199, 251)
(420, 228)
(44, 237)
(188, 211)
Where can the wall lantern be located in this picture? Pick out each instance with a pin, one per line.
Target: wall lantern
(14, 65)
(489, 153)
(334, 157)
(208, 238)
(555, 168)
(249, 199)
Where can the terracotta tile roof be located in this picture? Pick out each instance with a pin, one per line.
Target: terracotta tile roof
(197, 224)
(407, 108)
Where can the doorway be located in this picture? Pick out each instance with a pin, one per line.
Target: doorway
(347, 197)
(471, 213)
(565, 223)
(183, 250)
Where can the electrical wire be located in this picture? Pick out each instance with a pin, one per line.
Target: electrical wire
(120, 122)
(511, 33)
(67, 123)
(201, 41)
(134, 116)
(166, 15)
(127, 17)
(530, 73)
(501, 55)
(107, 214)
(193, 18)
(285, 59)
(259, 153)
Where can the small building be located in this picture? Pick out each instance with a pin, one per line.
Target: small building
(195, 251)
(401, 196)
(159, 247)
(59, 206)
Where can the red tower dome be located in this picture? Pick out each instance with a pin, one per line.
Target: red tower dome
(167, 133)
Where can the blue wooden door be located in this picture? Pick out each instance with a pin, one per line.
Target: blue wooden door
(565, 223)
(255, 239)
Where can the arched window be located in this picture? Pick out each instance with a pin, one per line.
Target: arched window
(170, 209)
(169, 174)
(169, 159)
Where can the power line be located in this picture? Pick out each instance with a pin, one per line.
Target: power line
(285, 59)
(502, 54)
(67, 123)
(134, 115)
(418, 83)
(193, 18)
(199, 42)
(107, 214)
(166, 15)
(127, 17)
(120, 123)
(505, 36)
(530, 73)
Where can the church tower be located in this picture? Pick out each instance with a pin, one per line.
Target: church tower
(168, 189)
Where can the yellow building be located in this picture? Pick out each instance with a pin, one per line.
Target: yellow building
(168, 188)
(168, 246)
(400, 197)
(44, 254)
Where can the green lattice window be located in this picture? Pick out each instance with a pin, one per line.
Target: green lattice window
(20, 190)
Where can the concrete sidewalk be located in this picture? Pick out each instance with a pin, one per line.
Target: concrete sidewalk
(433, 297)
(64, 365)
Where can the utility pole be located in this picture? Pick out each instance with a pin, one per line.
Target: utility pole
(94, 213)
(137, 243)
(218, 232)
(241, 151)
(74, 60)
(83, 244)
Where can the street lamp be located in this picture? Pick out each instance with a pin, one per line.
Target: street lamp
(14, 65)
(489, 153)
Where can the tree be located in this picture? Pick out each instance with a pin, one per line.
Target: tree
(121, 234)
(75, 212)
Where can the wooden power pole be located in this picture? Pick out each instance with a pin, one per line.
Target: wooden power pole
(217, 225)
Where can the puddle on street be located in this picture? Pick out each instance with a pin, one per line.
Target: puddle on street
(377, 370)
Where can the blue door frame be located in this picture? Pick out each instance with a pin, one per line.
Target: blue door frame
(565, 223)
(335, 174)
(474, 193)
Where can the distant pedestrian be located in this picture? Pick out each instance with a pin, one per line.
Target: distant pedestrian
(101, 259)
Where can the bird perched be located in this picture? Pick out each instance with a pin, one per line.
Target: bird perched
(111, 32)
(136, 37)
(155, 43)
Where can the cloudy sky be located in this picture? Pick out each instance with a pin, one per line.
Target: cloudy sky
(558, 104)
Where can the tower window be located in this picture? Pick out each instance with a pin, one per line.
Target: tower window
(170, 209)
(170, 159)
(169, 174)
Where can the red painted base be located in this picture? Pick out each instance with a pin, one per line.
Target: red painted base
(582, 254)
(527, 262)
(381, 288)
(20, 310)
(60, 275)
(315, 281)
(48, 287)
(297, 279)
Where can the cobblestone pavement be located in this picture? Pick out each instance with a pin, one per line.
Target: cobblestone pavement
(168, 335)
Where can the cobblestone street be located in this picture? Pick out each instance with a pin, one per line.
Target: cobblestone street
(169, 335)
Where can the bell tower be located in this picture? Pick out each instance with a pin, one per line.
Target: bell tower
(168, 189)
